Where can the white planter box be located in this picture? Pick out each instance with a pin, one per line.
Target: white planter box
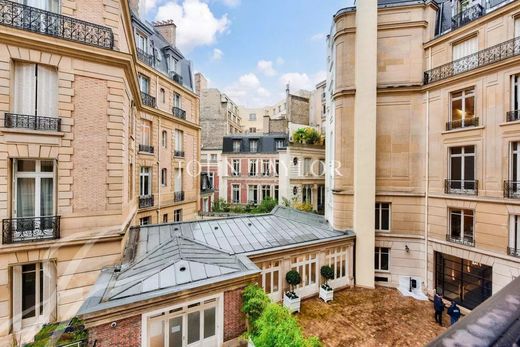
(293, 305)
(326, 295)
(250, 343)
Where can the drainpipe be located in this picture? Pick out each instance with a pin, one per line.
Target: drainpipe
(159, 139)
(426, 176)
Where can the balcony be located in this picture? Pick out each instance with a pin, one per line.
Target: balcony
(178, 196)
(462, 123)
(488, 56)
(178, 154)
(513, 116)
(179, 112)
(176, 77)
(467, 16)
(146, 58)
(207, 190)
(466, 240)
(22, 121)
(512, 189)
(514, 252)
(148, 100)
(146, 149)
(17, 230)
(52, 24)
(146, 201)
(465, 187)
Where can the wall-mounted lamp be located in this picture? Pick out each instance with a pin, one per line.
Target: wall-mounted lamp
(407, 249)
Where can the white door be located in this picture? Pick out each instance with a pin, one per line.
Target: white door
(307, 267)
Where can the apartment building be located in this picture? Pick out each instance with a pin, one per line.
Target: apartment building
(253, 118)
(73, 145)
(426, 134)
(318, 107)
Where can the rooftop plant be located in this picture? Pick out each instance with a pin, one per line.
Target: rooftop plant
(59, 334)
(309, 136)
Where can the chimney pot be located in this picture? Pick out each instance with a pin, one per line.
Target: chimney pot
(168, 30)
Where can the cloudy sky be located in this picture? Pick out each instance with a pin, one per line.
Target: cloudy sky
(251, 48)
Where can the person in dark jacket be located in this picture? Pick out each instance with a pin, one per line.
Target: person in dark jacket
(454, 312)
(438, 306)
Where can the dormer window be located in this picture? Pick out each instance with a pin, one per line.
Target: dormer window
(172, 64)
(141, 42)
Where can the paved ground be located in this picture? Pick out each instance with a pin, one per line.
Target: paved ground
(364, 317)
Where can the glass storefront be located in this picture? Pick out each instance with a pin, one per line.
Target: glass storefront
(464, 281)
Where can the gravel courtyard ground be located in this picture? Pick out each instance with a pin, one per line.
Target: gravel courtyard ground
(364, 317)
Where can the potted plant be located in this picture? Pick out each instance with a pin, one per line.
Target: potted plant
(291, 300)
(326, 291)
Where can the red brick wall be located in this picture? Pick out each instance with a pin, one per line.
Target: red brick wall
(234, 319)
(127, 333)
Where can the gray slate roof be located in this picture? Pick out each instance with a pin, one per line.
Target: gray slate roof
(168, 258)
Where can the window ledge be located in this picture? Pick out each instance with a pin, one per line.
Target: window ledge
(458, 130)
(32, 132)
(146, 153)
(509, 123)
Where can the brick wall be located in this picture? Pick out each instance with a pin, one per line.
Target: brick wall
(234, 319)
(126, 333)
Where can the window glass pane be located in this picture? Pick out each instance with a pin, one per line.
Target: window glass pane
(456, 109)
(384, 259)
(156, 333)
(193, 327)
(25, 196)
(455, 224)
(47, 166)
(470, 107)
(28, 290)
(455, 168)
(378, 216)
(267, 282)
(26, 165)
(469, 168)
(46, 197)
(385, 218)
(275, 280)
(175, 332)
(209, 322)
(376, 258)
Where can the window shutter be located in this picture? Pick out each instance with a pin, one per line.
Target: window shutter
(49, 291)
(25, 89)
(47, 91)
(17, 298)
(465, 48)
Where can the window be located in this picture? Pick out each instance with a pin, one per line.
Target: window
(179, 141)
(517, 26)
(306, 166)
(382, 257)
(145, 181)
(141, 41)
(178, 180)
(145, 220)
(236, 193)
(513, 186)
(462, 170)
(280, 143)
(276, 192)
(382, 216)
(211, 179)
(252, 130)
(146, 133)
(165, 218)
(514, 236)
(164, 177)
(34, 189)
(236, 146)
(213, 157)
(266, 192)
(162, 93)
(515, 98)
(252, 167)
(236, 167)
(177, 215)
(34, 294)
(462, 109)
(336, 258)
(307, 194)
(270, 276)
(277, 167)
(35, 90)
(253, 194)
(172, 64)
(144, 84)
(321, 199)
(253, 146)
(252, 116)
(461, 227)
(266, 167)
(306, 265)
(177, 101)
(164, 139)
(465, 48)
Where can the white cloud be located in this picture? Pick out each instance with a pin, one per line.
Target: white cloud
(196, 24)
(248, 91)
(319, 37)
(249, 81)
(231, 3)
(266, 67)
(217, 54)
(148, 5)
(297, 80)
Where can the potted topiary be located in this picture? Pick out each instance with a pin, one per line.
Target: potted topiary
(291, 300)
(326, 291)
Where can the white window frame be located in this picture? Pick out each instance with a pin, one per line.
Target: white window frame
(141, 41)
(24, 95)
(144, 83)
(146, 133)
(462, 212)
(253, 146)
(146, 171)
(378, 252)
(307, 162)
(266, 167)
(310, 281)
(270, 270)
(335, 256)
(179, 140)
(178, 180)
(177, 100)
(236, 146)
(177, 215)
(462, 155)
(515, 91)
(514, 235)
(251, 189)
(379, 215)
(253, 167)
(164, 177)
(465, 94)
(235, 188)
(164, 139)
(235, 168)
(266, 191)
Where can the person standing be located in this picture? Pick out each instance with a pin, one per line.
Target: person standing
(438, 306)
(454, 312)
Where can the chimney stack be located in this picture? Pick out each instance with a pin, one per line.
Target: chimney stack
(134, 6)
(267, 124)
(168, 30)
(201, 83)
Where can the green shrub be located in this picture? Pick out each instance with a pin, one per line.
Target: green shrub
(254, 302)
(293, 278)
(266, 206)
(327, 272)
(302, 206)
(308, 136)
(60, 333)
(220, 205)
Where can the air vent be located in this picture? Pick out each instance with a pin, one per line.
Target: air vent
(216, 228)
(182, 269)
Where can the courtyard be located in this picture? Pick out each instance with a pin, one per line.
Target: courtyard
(364, 317)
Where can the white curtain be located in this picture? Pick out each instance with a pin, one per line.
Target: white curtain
(465, 48)
(25, 197)
(517, 27)
(47, 91)
(25, 88)
(46, 197)
(49, 291)
(178, 180)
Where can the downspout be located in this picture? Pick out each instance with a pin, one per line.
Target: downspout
(426, 176)
(159, 139)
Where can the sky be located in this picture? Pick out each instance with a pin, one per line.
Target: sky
(250, 49)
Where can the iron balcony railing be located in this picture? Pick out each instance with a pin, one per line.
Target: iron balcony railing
(146, 201)
(512, 251)
(179, 112)
(484, 57)
(176, 77)
(462, 123)
(49, 23)
(467, 240)
(178, 196)
(148, 100)
(146, 148)
(179, 154)
(207, 190)
(467, 16)
(512, 116)
(468, 187)
(512, 189)
(23, 121)
(146, 58)
(30, 229)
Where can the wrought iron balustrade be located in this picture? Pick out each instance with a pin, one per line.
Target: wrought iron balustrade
(178, 196)
(146, 58)
(30, 229)
(512, 251)
(176, 77)
(146, 201)
(179, 154)
(482, 58)
(148, 100)
(512, 189)
(146, 148)
(462, 123)
(207, 190)
(179, 112)
(23, 121)
(467, 16)
(466, 240)
(512, 116)
(53, 24)
(468, 187)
